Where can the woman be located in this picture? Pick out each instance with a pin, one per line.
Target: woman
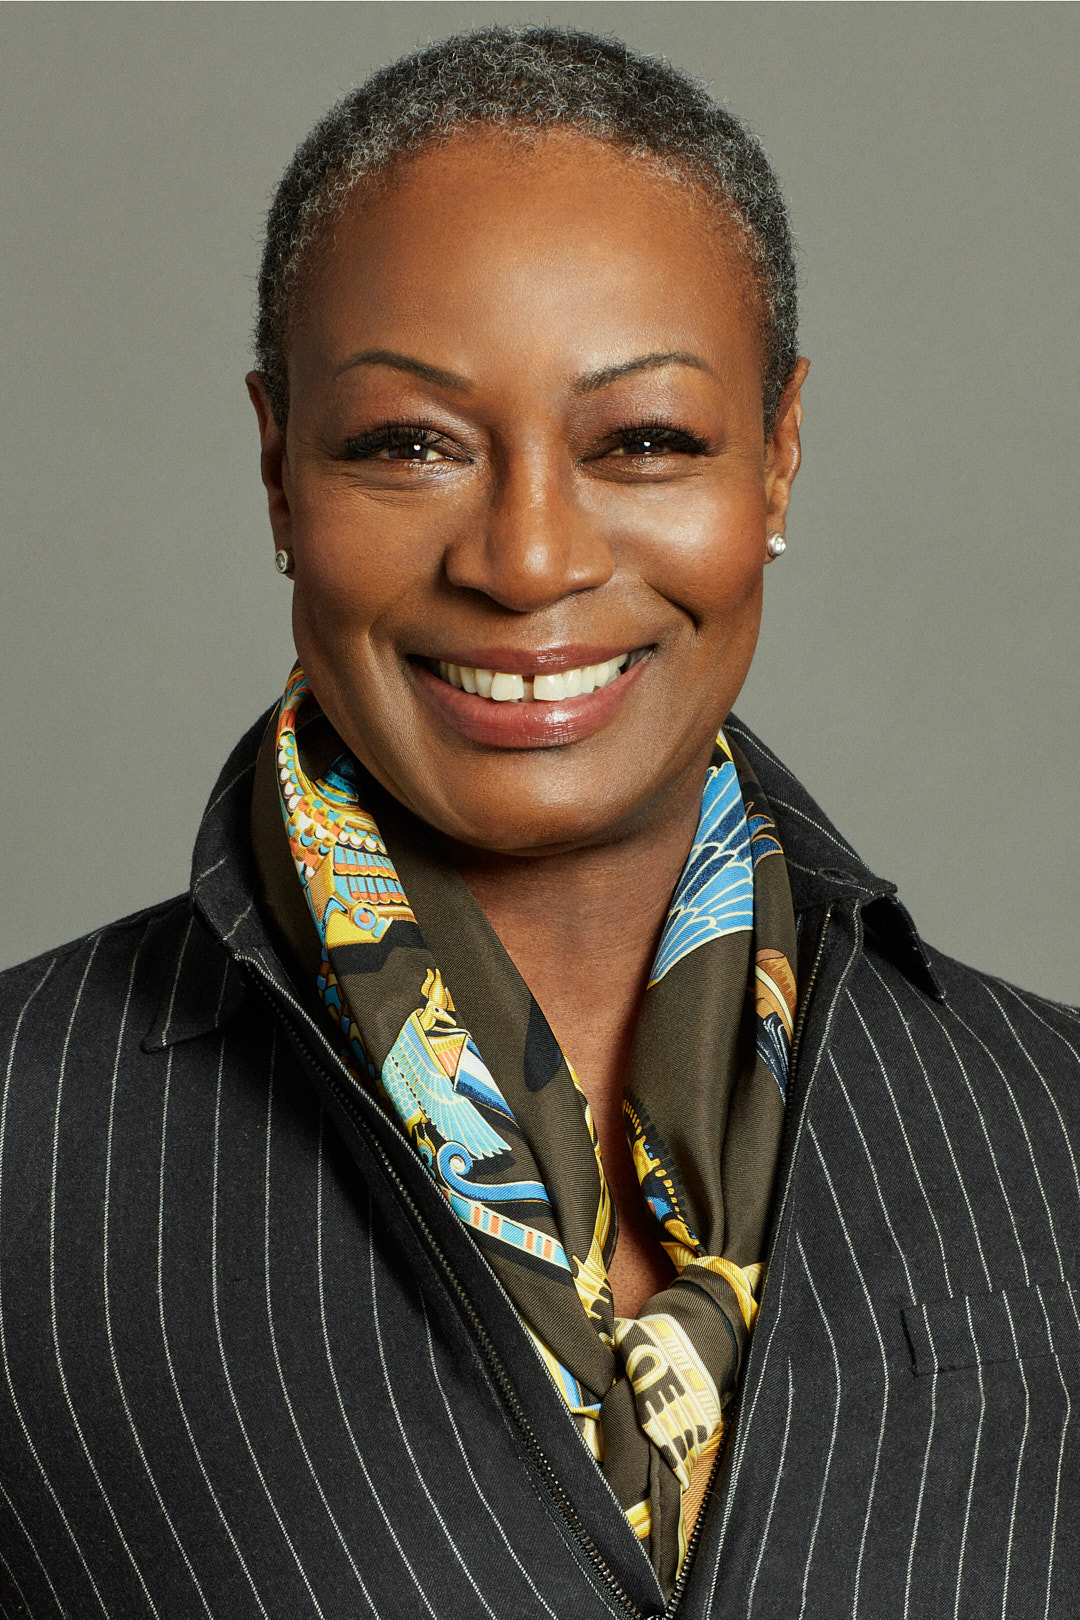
(392, 1214)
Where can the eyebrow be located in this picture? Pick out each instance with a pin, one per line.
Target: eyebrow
(589, 383)
(406, 362)
(644, 362)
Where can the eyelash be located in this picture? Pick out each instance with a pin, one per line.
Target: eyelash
(404, 435)
(392, 436)
(664, 433)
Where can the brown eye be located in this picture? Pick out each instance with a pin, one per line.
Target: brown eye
(645, 444)
(398, 441)
(658, 441)
(415, 451)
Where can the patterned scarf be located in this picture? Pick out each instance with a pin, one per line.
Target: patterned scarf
(508, 1135)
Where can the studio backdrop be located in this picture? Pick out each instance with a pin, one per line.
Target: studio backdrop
(918, 664)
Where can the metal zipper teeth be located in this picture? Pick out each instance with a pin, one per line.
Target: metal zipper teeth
(804, 1000)
(695, 1536)
(487, 1347)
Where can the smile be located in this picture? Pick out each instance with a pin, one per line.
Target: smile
(535, 705)
(539, 687)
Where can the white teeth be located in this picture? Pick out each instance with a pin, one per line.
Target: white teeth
(549, 688)
(504, 688)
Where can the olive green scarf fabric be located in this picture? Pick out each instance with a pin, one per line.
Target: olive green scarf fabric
(431, 1014)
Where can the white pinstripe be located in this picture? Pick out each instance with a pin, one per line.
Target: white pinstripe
(16, 1515)
(3, 1329)
(1020, 1457)
(1061, 1008)
(986, 1138)
(1039, 1074)
(941, 1121)
(176, 976)
(884, 1368)
(832, 1436)
(451, 1543)
(819, 826)
(12, 1578)
(1061, 1448)
(744, 1427)
(1027, 1141)
(221, 1344)
(76, 1425)
(917, 1521)
(974, 1461)
(376, 1498)
(775, 1491)
(207, 871)
(907, 1142)
(492, 1515)
(244, 915)
(108, 1311)
(754, 745)
(168, 1352)
(1072, 1301)
(94, 942)
(274, 1344)
(811, 871)
(873, 1173)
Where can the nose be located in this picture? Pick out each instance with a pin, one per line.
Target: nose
(532, 545)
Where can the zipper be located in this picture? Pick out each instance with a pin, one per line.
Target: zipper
(491, 1357)
(493, 1361)
(714, 1483)
(804, 999)
(695, 1534)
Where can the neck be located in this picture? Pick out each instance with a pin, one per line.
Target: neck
(582, 926)
(582, 929)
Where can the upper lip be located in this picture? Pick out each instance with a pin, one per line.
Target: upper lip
(537, 660)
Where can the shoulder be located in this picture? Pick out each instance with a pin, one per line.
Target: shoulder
(108, 987)
(984, 1031)
(1012, 1023)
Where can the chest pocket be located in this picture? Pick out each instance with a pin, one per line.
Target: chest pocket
(1008, 1324)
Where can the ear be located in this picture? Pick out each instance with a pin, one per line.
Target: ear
(783, 452)
(273, 461)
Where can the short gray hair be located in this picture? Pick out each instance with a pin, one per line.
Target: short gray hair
(529, 79)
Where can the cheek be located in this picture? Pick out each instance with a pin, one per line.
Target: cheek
(353, 567)
(709, 558)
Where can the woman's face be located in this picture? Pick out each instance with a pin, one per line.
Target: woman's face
(525, 439)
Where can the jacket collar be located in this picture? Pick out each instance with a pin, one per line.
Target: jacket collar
(823, 869)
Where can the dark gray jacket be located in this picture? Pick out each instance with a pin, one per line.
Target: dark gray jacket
(250, 1364)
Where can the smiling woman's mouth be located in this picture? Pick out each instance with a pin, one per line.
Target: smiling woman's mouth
(532, 706)
(549, 687)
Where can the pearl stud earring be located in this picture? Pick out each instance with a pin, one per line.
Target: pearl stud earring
(775, 545)
(283, 562)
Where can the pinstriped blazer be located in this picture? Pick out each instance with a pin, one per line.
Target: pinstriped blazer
(250, 1364)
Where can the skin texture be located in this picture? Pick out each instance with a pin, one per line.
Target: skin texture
(552, 505)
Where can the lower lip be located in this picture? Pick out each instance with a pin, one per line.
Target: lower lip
(523, 724)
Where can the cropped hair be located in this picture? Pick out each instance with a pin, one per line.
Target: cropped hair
(530, 79)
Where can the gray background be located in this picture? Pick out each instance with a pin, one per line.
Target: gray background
(918, 666)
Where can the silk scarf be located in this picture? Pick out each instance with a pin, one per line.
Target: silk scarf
(494, 1110)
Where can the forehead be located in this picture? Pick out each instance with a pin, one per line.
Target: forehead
(504, 238)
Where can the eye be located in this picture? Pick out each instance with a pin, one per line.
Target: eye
(398, 441)
(415, 450)
(652, 441)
